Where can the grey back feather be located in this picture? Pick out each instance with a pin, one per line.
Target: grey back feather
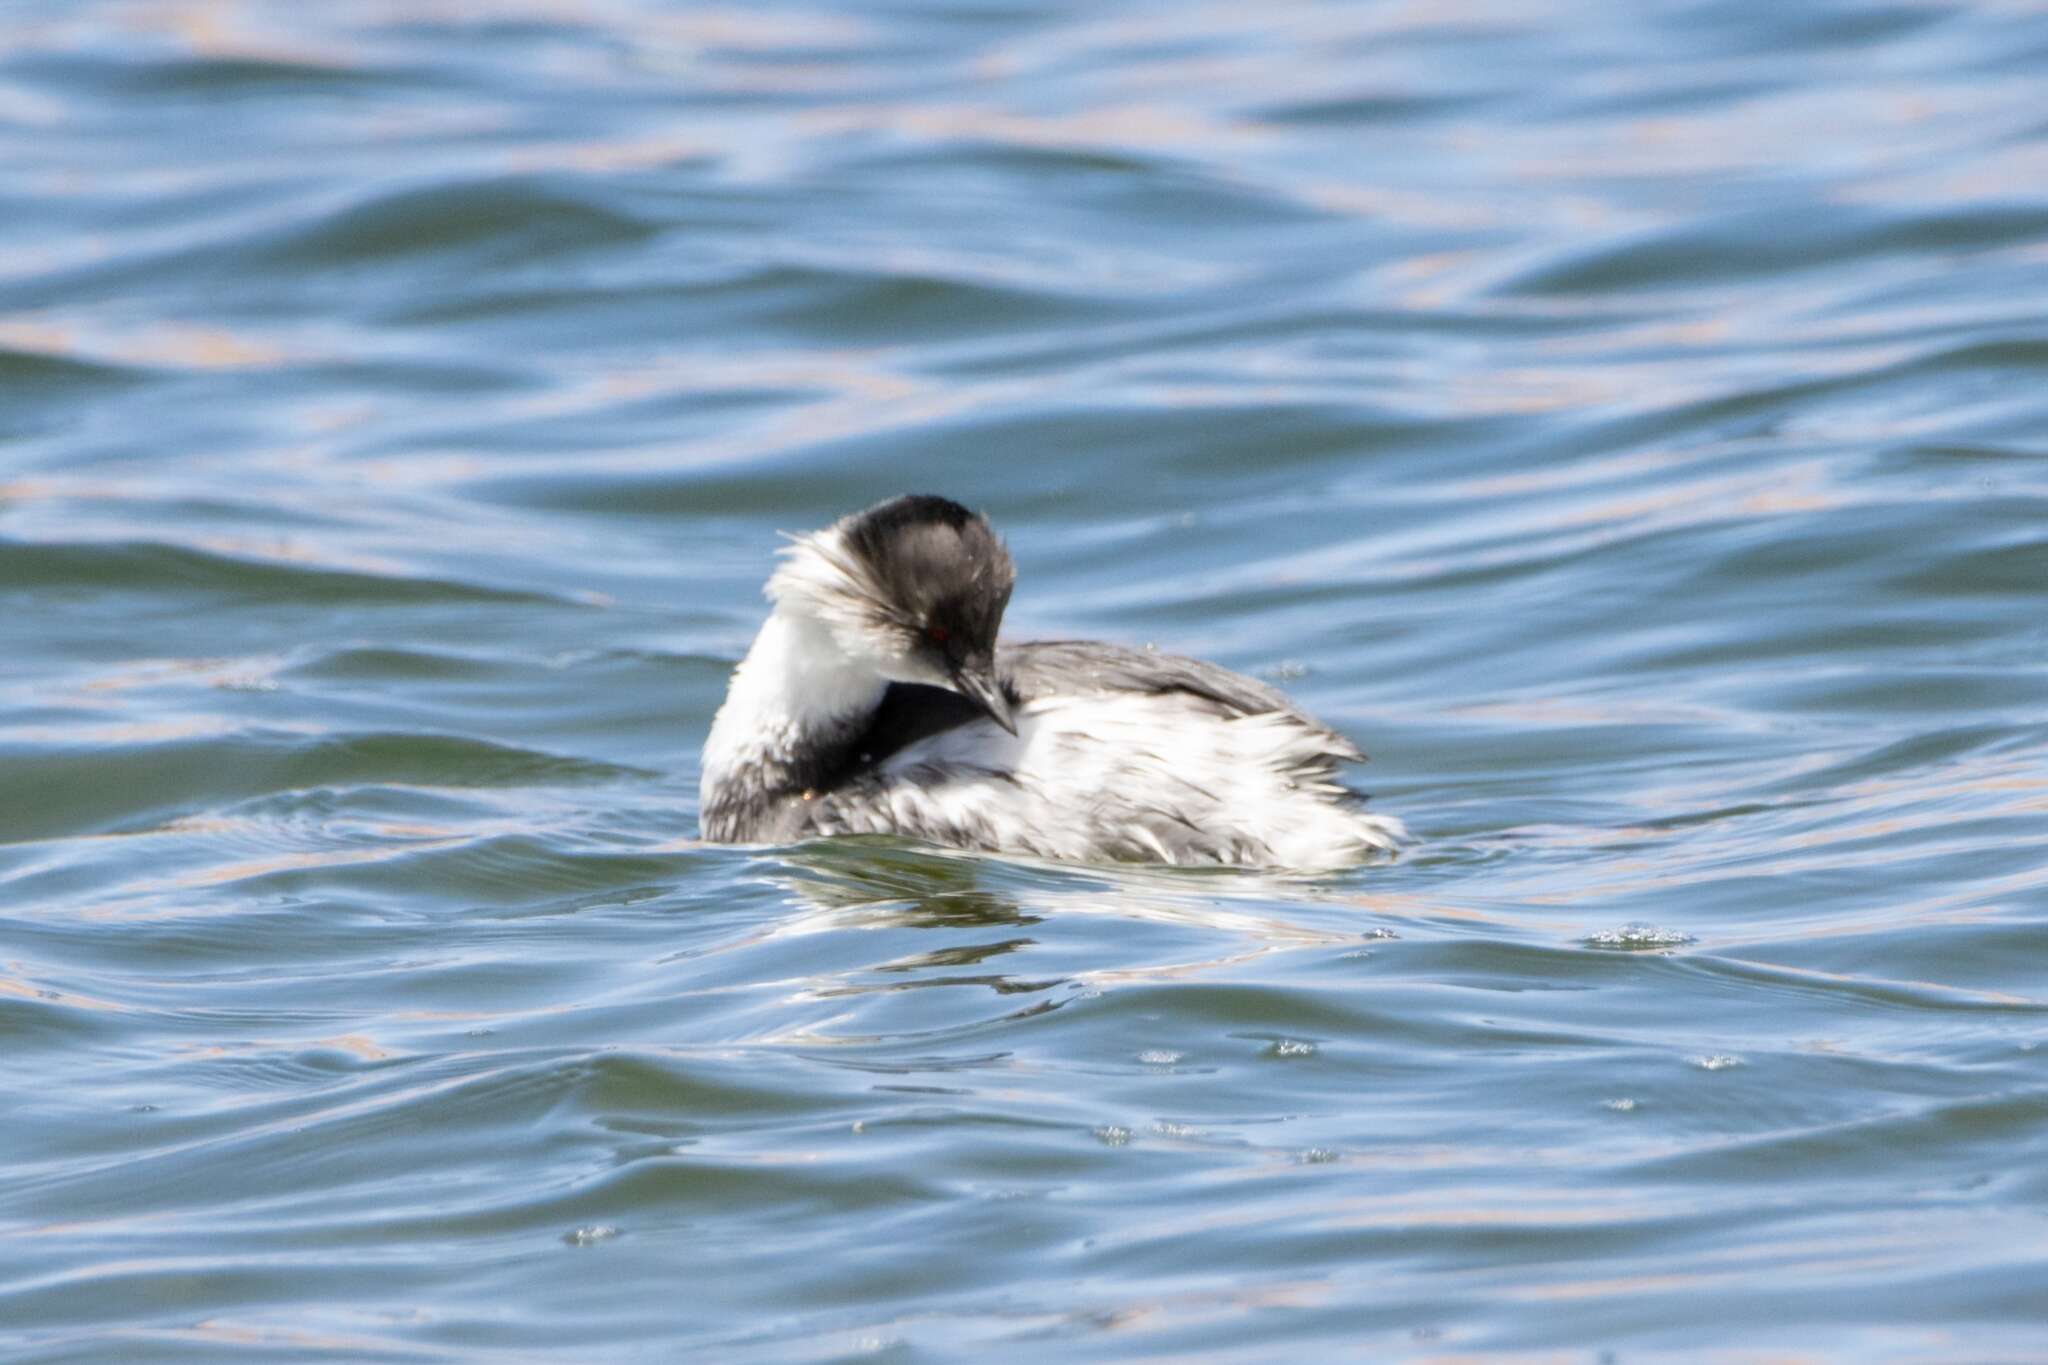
(1038, 668)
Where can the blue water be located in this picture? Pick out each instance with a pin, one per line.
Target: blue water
(1628, 421)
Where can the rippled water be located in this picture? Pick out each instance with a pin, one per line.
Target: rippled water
(1629, 421)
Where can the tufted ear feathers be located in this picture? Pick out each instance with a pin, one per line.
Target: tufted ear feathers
(904, 565)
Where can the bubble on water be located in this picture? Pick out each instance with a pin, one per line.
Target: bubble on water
(1111, 1135)
(1356, 955)
(1637, 938)
(860, 1125)
(590, 1234)
(1318, 1156)
(1173, 1130)
(1292, 1047)
(1719, 1061)
(1159, 1056)
(1623, 1105)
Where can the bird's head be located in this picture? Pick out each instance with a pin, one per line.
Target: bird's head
(913, 588)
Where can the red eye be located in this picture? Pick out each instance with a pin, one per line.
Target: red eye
(938, 634)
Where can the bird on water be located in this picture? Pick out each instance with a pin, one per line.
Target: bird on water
(877, 700)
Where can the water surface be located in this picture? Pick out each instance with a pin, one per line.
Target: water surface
(1627, 421)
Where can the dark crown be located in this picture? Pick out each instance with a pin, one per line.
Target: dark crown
(934, 562)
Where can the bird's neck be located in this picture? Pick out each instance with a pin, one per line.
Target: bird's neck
(795, 703)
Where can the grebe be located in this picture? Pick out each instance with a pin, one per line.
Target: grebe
(876, 700)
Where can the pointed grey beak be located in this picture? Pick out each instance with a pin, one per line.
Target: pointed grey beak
(979, 686)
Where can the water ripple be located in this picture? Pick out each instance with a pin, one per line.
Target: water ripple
(1625, 423)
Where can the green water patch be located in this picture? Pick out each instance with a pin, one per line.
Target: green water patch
(57, 791)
